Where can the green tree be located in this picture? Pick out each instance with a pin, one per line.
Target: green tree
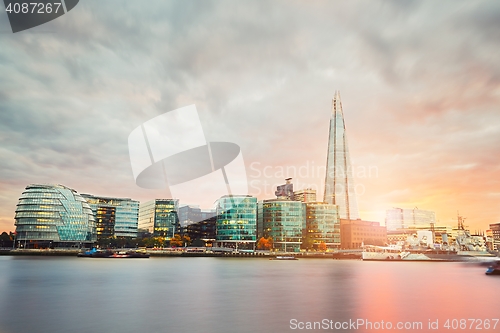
(5, 236)
(307, 243)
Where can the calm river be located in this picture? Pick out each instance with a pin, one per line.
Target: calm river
(39, 294)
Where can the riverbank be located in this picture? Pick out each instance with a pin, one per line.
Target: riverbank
(165, 253)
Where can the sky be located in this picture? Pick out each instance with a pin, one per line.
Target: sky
(419, 82)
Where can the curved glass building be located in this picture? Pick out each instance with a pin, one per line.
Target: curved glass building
(53, 216)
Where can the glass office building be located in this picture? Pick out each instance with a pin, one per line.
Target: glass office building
(284, 221)
(53, 216)
(236, 221)
(322, 225)
(159, 217)
(189, 214)
(115, 217)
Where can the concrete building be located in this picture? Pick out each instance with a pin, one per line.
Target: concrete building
(495, 231)
(306, 195)
(354, 233)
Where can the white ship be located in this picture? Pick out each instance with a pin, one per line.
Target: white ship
(421, 247)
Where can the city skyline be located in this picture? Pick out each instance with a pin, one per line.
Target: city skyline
(420, 82)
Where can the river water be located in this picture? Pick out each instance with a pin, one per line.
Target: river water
(63, 294)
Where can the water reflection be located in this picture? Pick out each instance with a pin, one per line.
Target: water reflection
(233, 295)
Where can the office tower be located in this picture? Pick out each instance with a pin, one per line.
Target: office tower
(339, 182)
(355, 233)
(159, 217)
(284, 221)
(115, 217)
(236, 221)
(399, 218)
(322, 225)
(53, 216)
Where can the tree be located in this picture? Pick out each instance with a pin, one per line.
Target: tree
(322, 246)
(176, 240)
(307, 243)
(186, 240)
(5, 236)
(265, 243)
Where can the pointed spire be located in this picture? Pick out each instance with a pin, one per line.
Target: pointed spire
(339, 182)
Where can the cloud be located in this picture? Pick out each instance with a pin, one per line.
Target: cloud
(420, 84)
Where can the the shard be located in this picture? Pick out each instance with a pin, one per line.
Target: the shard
(339, 182)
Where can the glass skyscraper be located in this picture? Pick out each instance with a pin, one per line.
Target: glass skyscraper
(53, 216)
(284, 221)
(236, 224)
(339, 180)
(115, 217)
(322, 224)
(159, 217)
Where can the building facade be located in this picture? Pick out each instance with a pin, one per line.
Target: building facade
(284, 221)
(160, 217)
(115, 217)
(189, 214)
(236, 221)
(306, 195)
(401, 235)
(495, 231)
(355, 233)
(399, 218)
(322, 225)
(53, 216)
(202, 233)
(339, 180)
(285, 191)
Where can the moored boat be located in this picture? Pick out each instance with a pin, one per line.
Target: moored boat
(421, 246)
(128, 254)
(393, 253)
(94, 253)
(493, 269)
(284, 258)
